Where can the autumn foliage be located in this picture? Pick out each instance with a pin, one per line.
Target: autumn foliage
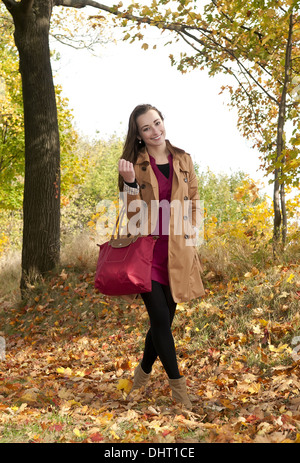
(71, 353)
(67, 353)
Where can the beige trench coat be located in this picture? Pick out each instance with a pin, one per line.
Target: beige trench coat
(184, 267)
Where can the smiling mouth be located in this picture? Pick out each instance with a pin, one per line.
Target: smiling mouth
(157, 138)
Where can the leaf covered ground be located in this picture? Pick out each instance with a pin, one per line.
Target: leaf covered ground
(71, 352)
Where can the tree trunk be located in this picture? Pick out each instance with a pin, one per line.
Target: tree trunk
(284, 215)
(41, 206)
(277, 211)
(279, 193)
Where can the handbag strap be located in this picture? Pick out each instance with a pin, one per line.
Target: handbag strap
(118, 223)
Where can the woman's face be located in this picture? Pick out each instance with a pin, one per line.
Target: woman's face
(151, 128)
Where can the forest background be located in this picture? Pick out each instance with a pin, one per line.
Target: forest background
(244, 330)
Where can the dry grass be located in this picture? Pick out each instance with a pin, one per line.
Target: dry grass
(226, 257)
(80, 251)
(10, 274)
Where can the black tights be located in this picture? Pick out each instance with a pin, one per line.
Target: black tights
(159, 340)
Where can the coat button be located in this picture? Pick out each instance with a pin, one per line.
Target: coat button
(186, 236)
(144, 168)
(143, 186)
(185, 217)
(186, 198)
(185, 179)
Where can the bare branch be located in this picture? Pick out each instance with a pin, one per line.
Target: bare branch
(84, 3)
(72, 3)
(271, 97)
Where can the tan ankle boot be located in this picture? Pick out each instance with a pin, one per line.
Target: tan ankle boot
(179, 392)
(140, 378)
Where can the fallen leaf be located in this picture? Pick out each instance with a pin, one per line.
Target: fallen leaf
(30, 396)
(77, 432)
(124, 384)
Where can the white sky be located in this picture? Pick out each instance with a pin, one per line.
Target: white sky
(103, 91)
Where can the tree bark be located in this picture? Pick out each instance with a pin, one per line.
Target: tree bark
(41, 205)
(284, 215)
(280, 218)
(277, 210)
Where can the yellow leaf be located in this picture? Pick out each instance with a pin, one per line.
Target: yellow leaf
(114, 435)
(263, 322)
(290, 278)
(278, 349)
(124, 384)
(145, 46)
(77, 432)
(73, 403)
(254, 388)
(65, 371)
(180, 307)
(105, 418)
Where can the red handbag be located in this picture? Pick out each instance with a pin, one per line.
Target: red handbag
(124, 265)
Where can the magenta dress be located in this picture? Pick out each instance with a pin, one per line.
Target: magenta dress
(160, 254)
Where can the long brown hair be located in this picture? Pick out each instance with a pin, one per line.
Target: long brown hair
(132, 144)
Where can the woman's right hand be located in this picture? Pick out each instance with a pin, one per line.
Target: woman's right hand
(126, 170)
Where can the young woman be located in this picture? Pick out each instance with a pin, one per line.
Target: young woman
(151, 169)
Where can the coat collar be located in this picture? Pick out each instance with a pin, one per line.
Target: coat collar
(143, 156)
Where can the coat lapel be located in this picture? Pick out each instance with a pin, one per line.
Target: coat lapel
(144, 172)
